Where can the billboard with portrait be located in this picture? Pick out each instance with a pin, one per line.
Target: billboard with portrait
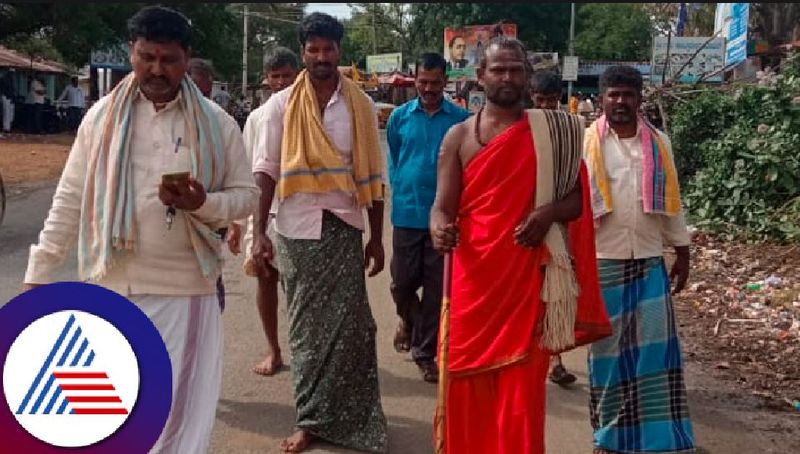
(463, 46)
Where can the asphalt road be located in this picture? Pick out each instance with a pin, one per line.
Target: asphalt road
(26, 209)
(255, 412)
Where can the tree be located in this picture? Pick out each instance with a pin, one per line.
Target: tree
(73, 32)
(34, 46)
(663, 16)
(269, 25)
(614, 31)
(377, 28)
(701, 19)
(778, 23)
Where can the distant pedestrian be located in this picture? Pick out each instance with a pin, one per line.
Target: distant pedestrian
(202, 73)
(546, 94)
(280, 71)
(36, 95)
(76, 102)
(7, 99)
(223, 98)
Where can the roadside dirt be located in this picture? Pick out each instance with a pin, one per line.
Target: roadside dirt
(740, 319)
(33, 158)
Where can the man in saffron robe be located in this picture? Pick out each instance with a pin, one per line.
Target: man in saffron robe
(493, 362)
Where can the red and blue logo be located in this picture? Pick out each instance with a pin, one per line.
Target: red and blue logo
(84, 370)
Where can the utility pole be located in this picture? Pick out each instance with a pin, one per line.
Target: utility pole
(244, 53)
(571, 45)
(374, 34)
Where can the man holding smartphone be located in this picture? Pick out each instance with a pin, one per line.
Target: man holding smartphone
(174, 165)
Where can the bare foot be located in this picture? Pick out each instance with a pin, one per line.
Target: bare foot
(270, 366)
(298, 442)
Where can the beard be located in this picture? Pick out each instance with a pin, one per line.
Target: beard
(621, 116)
(322, 71)
(505, 96)
(158, 89)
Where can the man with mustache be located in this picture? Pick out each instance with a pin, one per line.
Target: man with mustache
(414, 132)
(322, 159)
(638, 396)
(497, 211)
(280, 71)
(155, 171)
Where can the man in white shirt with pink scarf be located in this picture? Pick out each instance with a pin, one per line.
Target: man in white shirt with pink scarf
(638, 395)
(150, 238)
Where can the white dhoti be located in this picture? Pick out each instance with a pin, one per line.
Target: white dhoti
(191, 327)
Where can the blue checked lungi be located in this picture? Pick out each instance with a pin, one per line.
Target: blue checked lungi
(638, 396)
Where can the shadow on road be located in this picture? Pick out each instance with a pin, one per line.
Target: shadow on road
(276, 421)
(393, 385)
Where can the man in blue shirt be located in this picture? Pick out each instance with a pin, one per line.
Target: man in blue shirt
(414, 132)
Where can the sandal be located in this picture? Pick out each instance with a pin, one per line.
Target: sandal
(430, 372)
(561, 377)
(402, 338)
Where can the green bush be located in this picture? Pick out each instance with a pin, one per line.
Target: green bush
(740, 158)
(695, 121)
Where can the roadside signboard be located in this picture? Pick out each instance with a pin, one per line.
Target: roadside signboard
(384, 63)
(570, 71)
(709, 60)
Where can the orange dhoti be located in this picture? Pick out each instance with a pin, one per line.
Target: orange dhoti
(492, 397)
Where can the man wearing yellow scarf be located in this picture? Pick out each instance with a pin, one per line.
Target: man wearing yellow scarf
(322, 155)
(638, 396)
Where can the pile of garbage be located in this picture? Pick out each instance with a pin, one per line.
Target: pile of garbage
(740, 315)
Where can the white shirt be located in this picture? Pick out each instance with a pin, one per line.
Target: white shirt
(74, 96)
(627, 232)
(254, 135)
(164, 261)
(300, 215)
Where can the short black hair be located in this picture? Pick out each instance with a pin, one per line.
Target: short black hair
(621, 76)
(161, 25)
(320, 25)
(432, 60)
(201, 64)
(504, 42)
(453, 41)
(545, 82)
(280, 57)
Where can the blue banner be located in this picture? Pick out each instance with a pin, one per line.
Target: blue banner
(736, 45)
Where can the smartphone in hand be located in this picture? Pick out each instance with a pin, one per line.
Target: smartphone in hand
(175, 178)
